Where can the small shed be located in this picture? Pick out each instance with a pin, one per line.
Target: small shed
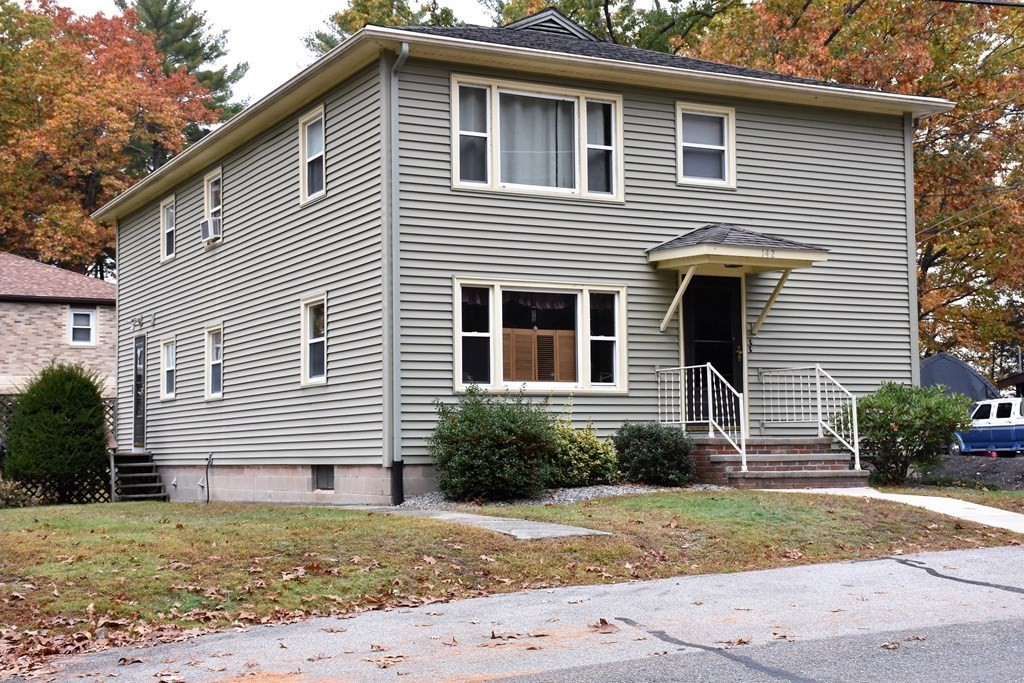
(957, 376)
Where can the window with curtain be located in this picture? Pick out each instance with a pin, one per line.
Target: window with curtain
(565, 336)
(536, 138)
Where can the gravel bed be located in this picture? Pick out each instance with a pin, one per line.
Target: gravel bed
(435, 500)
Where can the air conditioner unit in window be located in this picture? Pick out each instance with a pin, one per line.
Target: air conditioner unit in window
(209, 229)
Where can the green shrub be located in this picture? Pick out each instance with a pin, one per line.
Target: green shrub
(904, 427)
(57, 443)
(491, 448)
(654, 454)
(580, 458)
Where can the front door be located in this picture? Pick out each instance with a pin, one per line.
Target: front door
(713, 326)
(139, 394)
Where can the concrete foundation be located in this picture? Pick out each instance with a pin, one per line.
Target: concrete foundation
(353, 484)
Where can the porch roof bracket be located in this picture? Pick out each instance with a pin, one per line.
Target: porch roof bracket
(678, 298)
(756, 327)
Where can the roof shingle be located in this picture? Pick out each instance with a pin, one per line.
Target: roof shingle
(552, 42)
(22, 278)
(733, 236)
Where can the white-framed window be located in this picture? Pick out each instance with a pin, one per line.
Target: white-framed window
(82, 327)
(537, 139)
(168, 365)
(312, 166)
(314, 340)
(214, 362)
(705, 145)
(541, 336)
(167, 228)
(213, 195)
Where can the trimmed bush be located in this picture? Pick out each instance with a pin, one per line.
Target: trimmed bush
(580, 458)
(904, 428)
(491, 448)
(654, 454)
(57, 443)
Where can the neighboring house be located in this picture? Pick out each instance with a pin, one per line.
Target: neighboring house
(518, 207)
(956, 376)
(47, 313)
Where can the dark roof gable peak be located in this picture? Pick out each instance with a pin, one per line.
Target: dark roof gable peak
(554, 22)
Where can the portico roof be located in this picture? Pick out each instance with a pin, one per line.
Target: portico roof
(725, 244)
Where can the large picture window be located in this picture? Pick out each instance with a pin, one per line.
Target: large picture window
(544, 337)
(523, 137)
(706, 145)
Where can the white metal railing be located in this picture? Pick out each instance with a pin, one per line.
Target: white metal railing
(698, 394)
(811, 395)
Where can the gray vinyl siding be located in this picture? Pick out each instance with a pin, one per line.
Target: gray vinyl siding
(274, 253)
(830, 178)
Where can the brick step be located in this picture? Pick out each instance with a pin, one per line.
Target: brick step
(798, 479)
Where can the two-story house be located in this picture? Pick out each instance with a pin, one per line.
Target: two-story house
(520, 208)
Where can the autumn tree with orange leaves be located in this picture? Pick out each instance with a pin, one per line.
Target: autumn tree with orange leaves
(77, 97)
(969, 186)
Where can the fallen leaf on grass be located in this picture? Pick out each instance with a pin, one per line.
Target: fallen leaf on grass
(891, 646)
(386, 661)
(374, 647)
(603, 626)
(125, 661)
(429, 560)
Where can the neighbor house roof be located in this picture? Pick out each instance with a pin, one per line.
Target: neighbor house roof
(23, 279)
(547, 46)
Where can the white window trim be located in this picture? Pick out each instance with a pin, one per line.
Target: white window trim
(207, 180)
(304, 340)
(729, 114)
(208, 356)
(164, 393)
(580, 97)
(582, 289)
(304, 121)
(91, 312)
(164, 256)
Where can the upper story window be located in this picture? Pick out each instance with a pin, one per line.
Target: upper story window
(312, 182)
(213, 201)
(167, 228)
(706, 141)
(214, 362)
(522, 137)
(314, 340)
(82, 327)
(544, 337)
(168, 362)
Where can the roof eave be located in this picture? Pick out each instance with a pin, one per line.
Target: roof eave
(578, 66)
(364, 47)
(46, 299)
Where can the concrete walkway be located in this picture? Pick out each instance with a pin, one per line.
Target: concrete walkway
(521, 529)
(951, 507)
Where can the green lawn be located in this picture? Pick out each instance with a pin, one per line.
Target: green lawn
(123, 572)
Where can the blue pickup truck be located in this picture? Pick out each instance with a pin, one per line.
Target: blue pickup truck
(998, 426)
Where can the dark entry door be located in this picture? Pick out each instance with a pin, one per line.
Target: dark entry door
(713, 327)
(139, 394)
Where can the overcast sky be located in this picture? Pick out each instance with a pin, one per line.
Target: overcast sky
(269, 35)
